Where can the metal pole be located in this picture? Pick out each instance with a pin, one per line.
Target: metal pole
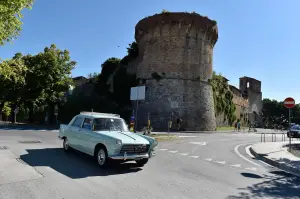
(137, 107)
(290, 127)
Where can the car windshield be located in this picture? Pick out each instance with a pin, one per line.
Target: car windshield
(109, 124)
(296, 127)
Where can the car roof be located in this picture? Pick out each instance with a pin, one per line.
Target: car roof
(99, 115)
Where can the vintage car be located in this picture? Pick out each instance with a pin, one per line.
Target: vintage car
(106, 137)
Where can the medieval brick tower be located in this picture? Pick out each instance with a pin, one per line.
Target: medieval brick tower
(251, 88)
(175, 64)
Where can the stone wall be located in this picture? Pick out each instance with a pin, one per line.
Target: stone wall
(180, 97)
(241, 107)
(179, 47)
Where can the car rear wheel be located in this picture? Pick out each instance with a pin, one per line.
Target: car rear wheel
(141, 162)
(101, 157)
(66, 145)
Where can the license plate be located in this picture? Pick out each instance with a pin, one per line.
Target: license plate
(139, 158)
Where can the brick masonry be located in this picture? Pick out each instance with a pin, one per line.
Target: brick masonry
(180, 46)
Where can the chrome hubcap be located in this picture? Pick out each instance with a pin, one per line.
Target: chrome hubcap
(101, 157)
(66, 144)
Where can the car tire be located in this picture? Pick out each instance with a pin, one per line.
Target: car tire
(66, 145)
(141, 162)
(101, 157)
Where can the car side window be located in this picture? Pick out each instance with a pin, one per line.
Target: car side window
(87, 124)
(78, 122)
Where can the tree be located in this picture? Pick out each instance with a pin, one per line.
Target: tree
(10, 18)
(108, 67)
(274, 113)
(48, 77)
(12, 79)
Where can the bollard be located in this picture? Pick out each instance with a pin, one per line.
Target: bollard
(283, 137)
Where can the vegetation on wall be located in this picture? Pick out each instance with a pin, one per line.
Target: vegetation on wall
(223, 97)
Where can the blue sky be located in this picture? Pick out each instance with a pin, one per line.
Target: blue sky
(257, 38)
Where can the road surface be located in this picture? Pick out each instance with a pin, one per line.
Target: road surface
(193, 166)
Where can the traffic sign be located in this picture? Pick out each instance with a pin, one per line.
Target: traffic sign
(289, 102)
(16, 110)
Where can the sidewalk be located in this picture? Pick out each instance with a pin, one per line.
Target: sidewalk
(277, 155)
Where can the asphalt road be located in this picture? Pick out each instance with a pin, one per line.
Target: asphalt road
(193, 166)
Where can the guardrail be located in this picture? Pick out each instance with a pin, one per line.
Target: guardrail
(274, 137)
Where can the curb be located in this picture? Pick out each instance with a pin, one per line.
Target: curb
(276, 164)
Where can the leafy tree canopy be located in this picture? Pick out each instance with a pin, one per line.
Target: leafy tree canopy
(12, 79)
(108, 67)
(48, 76)
(274, 113)
(10, 18)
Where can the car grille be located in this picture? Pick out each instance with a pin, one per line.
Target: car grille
(134, 148)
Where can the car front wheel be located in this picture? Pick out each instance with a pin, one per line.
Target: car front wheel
(66, 145)
(141, 162)
(101, 157)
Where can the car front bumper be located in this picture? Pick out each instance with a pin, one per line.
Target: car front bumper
(130, 156)
(126, 156)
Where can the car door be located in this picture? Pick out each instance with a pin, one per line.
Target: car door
(87, 136)
(75, 132)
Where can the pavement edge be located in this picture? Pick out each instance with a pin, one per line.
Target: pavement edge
(274, 163)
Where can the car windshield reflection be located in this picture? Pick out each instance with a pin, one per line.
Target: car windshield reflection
(296, 127)
(109, 124)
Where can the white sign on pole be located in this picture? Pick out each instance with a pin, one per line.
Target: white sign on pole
(137, 93)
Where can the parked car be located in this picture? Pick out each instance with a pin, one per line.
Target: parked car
(106, 137)
(294, 131)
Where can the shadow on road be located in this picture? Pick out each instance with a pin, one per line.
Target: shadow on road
(251, 175)
(73, 164)
(278, 185)
(26, 127)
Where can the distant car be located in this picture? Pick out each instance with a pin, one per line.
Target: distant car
(294, 131)
(106, 137)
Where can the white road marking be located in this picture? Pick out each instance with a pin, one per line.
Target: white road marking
(252, 169)
(220, 162)
(42, 130)
(194, 157)
(236, 165)
(198, 143)
(236, 149)
(163, 149)
(187, 136)
(208, 159)
(173, 151)
(183, 153)
(248, 151)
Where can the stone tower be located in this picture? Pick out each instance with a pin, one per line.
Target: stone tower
(251, 88)
(175, 64)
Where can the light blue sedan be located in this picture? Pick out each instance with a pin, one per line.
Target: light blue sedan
(106, 137)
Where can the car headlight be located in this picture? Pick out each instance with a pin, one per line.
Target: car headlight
(119, 142)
